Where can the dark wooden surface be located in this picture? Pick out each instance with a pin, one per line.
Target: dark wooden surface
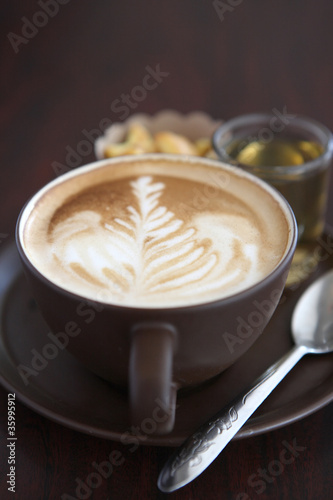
(63, 77)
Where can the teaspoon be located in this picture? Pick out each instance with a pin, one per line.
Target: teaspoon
(312, 332)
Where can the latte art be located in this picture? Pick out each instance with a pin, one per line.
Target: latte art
(144, 241)
(150, 252)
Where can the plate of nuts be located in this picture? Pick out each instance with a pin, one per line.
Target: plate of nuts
(166, 132)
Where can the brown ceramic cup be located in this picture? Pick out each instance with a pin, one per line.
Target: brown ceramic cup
(156, 350)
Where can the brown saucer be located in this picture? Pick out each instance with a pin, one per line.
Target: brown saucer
(67, 393)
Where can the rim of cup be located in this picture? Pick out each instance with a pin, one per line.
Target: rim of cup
(283, 203)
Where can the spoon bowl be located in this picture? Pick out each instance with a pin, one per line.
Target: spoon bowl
(312, 320)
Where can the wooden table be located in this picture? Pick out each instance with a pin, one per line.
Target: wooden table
(69, 67)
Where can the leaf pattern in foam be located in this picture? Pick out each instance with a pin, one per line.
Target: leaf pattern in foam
(146, 252)
(166, 254)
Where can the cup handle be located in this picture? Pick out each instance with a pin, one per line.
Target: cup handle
(152, 393)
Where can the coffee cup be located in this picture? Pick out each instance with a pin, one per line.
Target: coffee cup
(162, 270)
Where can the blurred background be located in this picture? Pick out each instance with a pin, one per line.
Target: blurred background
(68, 65)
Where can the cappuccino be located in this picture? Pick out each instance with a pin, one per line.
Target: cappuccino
(155, 231)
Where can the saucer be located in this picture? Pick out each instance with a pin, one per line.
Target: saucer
(60, 389)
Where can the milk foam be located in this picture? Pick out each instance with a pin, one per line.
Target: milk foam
(143, 248)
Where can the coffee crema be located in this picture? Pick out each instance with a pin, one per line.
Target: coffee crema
(155, 232)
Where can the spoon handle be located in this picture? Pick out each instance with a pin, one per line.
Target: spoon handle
(200, 449)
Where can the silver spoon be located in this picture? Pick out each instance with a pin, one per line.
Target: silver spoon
(312, 331)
